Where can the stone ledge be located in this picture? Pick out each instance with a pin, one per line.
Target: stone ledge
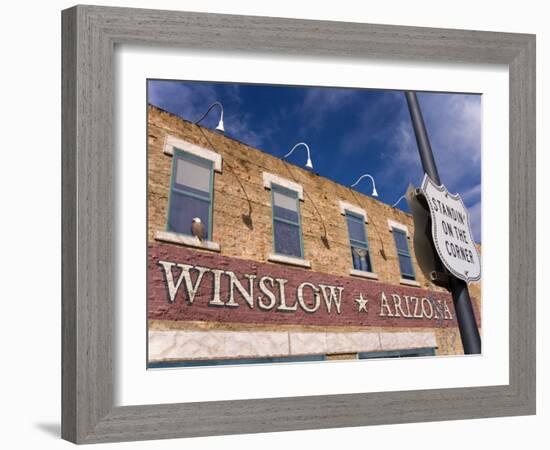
(363, 274)
(393, 224)
(269, 178)
(172, 142)
(188, 241)
(193, 345)
(345, 206)
(291, 260)
(407, 340)
(409, 282)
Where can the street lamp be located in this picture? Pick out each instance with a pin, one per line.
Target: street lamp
(309, 165)
(398, 200)
(219, 127)
(374, 193)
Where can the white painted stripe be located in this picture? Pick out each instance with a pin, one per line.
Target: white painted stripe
(405, 340)
(194, 345)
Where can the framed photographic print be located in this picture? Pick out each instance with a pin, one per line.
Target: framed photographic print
(252, 258)
(297, 232)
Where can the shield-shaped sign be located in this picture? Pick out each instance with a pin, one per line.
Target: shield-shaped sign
(424, 249)
(451, 232)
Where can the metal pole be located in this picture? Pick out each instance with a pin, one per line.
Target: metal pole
(469, 333)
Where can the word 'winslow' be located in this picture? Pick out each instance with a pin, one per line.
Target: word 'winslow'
(266, 293)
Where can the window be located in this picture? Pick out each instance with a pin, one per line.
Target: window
(403, 254)
(430, 351)
(190, 193)
(288, 247)
(287, 232)
(360, 253)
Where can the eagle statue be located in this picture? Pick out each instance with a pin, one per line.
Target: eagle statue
(361, 252)
(198, 229)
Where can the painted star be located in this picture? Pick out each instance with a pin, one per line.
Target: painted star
(362, 302)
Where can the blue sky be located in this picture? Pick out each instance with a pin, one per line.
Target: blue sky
(349, 131)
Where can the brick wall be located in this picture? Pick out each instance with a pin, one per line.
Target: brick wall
(242, 216)
(412, 311)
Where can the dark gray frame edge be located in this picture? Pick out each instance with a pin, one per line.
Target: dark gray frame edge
(89, 36)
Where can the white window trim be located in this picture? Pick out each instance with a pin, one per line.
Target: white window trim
(291, 260)
(345, 206)
(393, 224)
(363, 274)
(171, 142)
(270, 179)
(188, 241)
(409, 282)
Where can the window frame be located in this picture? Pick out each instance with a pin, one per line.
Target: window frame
(286, 191)
(179, 153)
(403, 353)
(404, 276)
(362, 220)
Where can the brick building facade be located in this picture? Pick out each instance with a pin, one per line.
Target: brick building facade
(292, 264)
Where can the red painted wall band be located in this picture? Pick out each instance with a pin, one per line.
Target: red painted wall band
(387, 305)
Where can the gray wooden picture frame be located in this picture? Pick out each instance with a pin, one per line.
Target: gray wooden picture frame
(90, 34)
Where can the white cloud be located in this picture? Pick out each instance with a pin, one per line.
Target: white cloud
(189, 101)
(372, 129)
(475, 220)
(402, 162)
(319, 102)
(453, 123)
(326, 99)
(383, 125)
(454, 127)
(472, 194)
(240, 127)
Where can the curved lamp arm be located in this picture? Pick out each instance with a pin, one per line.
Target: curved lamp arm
(398, 200)
(374, 192)
(308, 163)
(220, 123)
